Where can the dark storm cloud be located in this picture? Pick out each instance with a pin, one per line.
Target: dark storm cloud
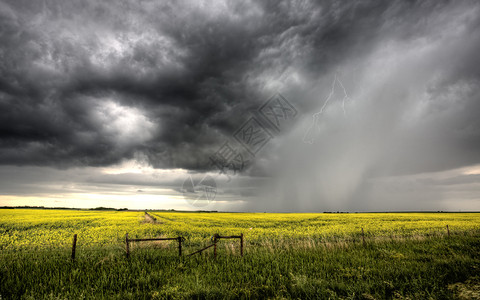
(90, 83)
(60, 60)
(189, 68)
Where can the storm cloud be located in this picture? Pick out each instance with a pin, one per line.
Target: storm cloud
(92, 84)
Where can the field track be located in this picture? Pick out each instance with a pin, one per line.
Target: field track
(150, 219)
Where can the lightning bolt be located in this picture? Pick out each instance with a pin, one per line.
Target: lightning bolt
(316, 115)
(345, 95)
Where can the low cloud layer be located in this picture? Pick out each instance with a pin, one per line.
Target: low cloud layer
(86, 85)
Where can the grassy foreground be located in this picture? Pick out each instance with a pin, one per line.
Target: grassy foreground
(402, 259)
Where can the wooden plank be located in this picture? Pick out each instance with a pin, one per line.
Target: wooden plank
(241, 244)
(74, 245)
(198, 251)
(230, 237)
(153, 239)
(127, 247)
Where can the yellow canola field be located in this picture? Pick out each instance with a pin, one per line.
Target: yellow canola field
(39, 228)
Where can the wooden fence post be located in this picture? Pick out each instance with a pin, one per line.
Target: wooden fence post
(179, 246)
(363, 236)
(241, 244)
(126, 244)
(74, 245)
(448, 231)
(215, 246)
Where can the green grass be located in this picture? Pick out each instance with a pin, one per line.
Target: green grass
(395, 269)
(414, 266)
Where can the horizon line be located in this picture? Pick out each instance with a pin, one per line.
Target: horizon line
(216, 211)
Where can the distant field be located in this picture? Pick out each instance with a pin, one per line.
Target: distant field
(286, 255)
(30, 228)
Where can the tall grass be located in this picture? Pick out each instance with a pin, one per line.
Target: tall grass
(303, 256)
(389, 269)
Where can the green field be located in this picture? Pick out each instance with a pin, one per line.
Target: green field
(405, 255)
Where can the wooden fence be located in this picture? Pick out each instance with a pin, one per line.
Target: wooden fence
(179, 239)
(215, 239)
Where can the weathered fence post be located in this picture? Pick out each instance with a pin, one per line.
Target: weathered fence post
(241, 244)
(179, 246)
(215, 246)
(363, 236)
(448, 231)
(126, 244)
(74, 245)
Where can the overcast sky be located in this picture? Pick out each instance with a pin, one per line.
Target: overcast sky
(118, 103)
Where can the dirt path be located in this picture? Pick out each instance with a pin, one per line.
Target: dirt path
(150, 219)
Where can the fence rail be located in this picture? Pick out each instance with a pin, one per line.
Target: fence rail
(201, 250)
(364, 238)
(128, 241)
